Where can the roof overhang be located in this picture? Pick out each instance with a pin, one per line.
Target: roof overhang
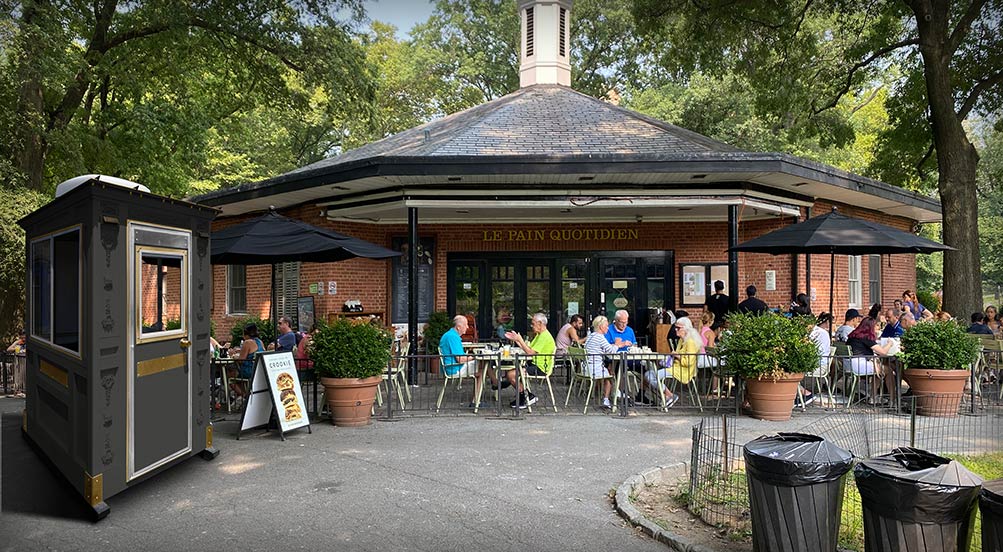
(704, 175)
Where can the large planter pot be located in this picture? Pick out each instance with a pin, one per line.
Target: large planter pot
(937, 392)
(350, 399)
(772, 400)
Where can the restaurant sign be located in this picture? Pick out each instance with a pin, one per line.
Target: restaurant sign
(557, 235)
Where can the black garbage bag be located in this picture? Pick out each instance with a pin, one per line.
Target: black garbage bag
(796, 485)
(917, 486)
(991, 506)
(916, 500)
(795, 459)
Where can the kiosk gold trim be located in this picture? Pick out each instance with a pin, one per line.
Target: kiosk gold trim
(162, 364)
(54, 372)
(93, 488)
(208, 436)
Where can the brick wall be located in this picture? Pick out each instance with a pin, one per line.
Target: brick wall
(692, 242)
(172, 294)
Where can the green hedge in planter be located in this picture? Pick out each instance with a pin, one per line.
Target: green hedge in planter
(768, 345)
(939, 345)
(350, 349)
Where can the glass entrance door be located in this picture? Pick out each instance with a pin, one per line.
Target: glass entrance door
(506, 292)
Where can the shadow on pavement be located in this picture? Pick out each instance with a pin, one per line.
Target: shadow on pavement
(29, 484)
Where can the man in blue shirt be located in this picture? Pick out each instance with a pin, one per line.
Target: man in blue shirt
(287, 337)
(979, 325)
(455, 362)
(622, 336)
(893, 327)
(619, 330)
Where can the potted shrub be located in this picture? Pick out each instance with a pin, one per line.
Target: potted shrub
(771, 353)
(350, 356)
(438, 323)
(937, 355)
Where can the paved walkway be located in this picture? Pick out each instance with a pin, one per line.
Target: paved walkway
(449, 483)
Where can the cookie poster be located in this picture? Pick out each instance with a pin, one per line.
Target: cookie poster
(284, 383)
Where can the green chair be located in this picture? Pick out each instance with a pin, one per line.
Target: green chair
(526, 378)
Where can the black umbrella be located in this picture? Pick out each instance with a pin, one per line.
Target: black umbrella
(273, 238)
(834, 233)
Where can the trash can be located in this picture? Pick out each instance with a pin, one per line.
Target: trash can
(991, 506)
(914, 500)
(795, 492)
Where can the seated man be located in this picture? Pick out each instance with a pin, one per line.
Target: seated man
(542, 364)
(620, 331)
(287, 337)
(979, 325)
(454, 362)
(893, 327)
(850, 322)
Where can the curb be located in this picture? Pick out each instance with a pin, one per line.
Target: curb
(626, 508)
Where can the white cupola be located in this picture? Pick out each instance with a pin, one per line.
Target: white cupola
(546, 43)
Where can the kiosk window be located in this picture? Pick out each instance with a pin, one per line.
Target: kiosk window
(160, 304)
(55, 289)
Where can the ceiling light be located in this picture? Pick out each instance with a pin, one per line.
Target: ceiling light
(454, 179)
(685, 208)
(339, 188)
(698, 177)
(463, 211)
(799, 184)
(565, 210)
(586, 178)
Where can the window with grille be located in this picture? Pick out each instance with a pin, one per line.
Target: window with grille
(853, 282)
(236, 289)
(529, 32)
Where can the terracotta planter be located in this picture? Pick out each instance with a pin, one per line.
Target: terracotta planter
(937, 392)
(773, 400)
(350, 399)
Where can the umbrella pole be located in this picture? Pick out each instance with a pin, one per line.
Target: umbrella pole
(832, 280)
(275, 308)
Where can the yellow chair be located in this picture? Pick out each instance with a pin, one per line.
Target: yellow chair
(446, 378)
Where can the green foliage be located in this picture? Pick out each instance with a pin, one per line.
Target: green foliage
(928, 300)
(350, 349)
(20, 202)
(173, 324)
(767, 346)
(170, 93)
(439, 323)
(939, 345)
(266, 330)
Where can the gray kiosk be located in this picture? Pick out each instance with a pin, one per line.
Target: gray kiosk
(117, 318)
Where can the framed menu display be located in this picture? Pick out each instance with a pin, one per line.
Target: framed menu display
(426, 279)
(275, 389)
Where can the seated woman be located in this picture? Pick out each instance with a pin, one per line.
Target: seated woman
(249, 349)
(596, 346)
(684, 360)
(707, 338)
(863, 347)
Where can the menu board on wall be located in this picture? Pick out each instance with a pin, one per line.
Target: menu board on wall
(426, 279)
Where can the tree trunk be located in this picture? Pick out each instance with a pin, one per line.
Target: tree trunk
(957, 161)
(29, 151)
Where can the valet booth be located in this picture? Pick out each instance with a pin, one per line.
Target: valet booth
(117, 319)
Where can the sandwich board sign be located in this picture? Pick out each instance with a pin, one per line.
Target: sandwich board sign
(275, 389)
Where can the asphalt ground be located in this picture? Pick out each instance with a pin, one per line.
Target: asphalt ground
(437, 483)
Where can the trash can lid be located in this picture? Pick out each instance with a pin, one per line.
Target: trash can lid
(917, 486)
(795, 459)
(993, 491)
(909, 464)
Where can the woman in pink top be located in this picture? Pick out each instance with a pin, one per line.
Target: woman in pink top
(707, 338)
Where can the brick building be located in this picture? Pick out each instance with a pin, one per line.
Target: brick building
(549, 200)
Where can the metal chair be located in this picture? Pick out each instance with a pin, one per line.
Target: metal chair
(582, 375)
(526, 379)
(459, 377)
(848, 359)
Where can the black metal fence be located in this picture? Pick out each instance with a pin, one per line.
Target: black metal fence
(718, 490)
(12, 368)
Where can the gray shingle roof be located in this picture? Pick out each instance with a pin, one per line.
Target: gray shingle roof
(541, 119)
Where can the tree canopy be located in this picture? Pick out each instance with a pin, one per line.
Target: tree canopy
(803, 58)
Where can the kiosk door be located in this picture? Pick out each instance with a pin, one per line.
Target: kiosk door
(159, 387)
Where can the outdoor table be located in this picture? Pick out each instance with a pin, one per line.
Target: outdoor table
(219, 381)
